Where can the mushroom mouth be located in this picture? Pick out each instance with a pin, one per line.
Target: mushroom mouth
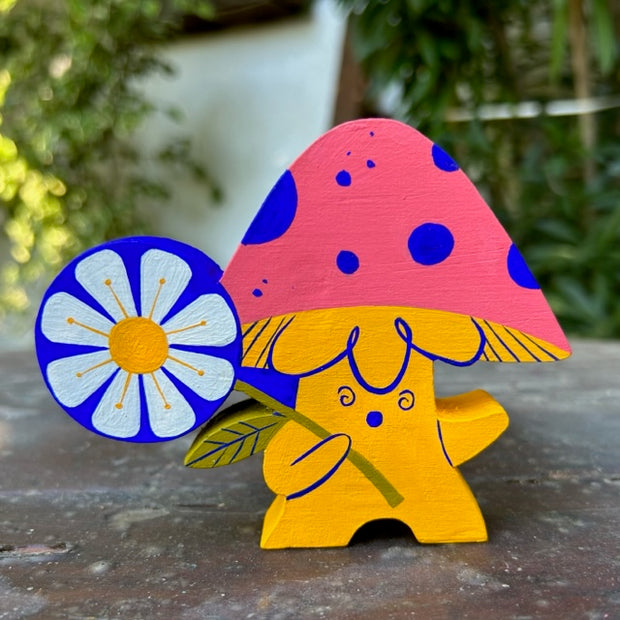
(309, 342)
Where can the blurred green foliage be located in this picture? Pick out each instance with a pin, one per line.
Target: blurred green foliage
(70, 102)
(554, 181)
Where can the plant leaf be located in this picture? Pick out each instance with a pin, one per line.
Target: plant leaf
(558, 37)
(604, 39)
(237, 433)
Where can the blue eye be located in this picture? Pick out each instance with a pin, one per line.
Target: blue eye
(346, 396)
(406, 400)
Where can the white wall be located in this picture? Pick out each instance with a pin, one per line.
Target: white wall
(253, 99)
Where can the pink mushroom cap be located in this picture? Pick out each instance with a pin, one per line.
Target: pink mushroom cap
(374, 214)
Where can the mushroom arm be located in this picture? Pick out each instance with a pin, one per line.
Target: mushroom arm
(293, 472)
(468, 423)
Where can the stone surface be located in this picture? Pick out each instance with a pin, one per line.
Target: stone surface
(95, 528)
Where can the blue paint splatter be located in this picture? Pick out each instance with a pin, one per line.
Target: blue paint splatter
(343, 178)
(430, 243)
(374, 419)
(276, 214)
(518, 269)
(347, 262)
(372, 133)
(265, 281)
(442, 160)
(370, 163)
(257, 292)
(348, 152)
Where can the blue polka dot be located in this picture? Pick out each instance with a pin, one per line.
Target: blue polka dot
(370, 163)
(265, 281)
(276, 214)
(374, 419)
(347, 262)
(343, 178)
(518, 269)
(430, 243)
(372, 133)
(348, 152)
(442, 160)
(257, 292)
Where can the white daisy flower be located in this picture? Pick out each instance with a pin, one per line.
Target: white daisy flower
(145, 358)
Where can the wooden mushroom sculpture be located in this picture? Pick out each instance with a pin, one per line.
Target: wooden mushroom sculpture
(372, 258)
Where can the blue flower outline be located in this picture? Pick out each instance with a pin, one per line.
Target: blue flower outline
(197, 281)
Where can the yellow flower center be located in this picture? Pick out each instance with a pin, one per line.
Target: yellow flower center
(138, 345)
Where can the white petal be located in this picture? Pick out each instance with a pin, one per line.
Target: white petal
(70, 388)
(107, 266)
(93, 273)
(171, 422)
(110, 420)
(220, 327)
(216, 381)
(157, 298)
(62, 306)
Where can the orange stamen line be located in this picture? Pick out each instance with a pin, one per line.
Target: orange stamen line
(162, 281)
(119, 404)
(81, 374)
(199, 372)
(161, 392)
(72, 321)
(108, 283)
(184, 329)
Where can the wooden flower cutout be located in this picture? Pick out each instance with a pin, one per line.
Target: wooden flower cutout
(136, 341)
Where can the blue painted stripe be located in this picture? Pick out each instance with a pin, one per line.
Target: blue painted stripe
(222, 446)
(499, 359)
(314, 371)
(406, 334)
(266, 347)
(230, 430)
(329, 474)
(553, 357)
(239, 448)
(516, 359)
(251, 426)
(249, 329)
(278, 333)
(258, 335)
(433, 357)
(442, 446)
(253, 448)
(522, 345)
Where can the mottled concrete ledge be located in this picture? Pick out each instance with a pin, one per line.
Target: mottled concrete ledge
(95, 528)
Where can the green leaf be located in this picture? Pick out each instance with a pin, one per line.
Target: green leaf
(237, 433)
(604, 39)
(558, 37)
